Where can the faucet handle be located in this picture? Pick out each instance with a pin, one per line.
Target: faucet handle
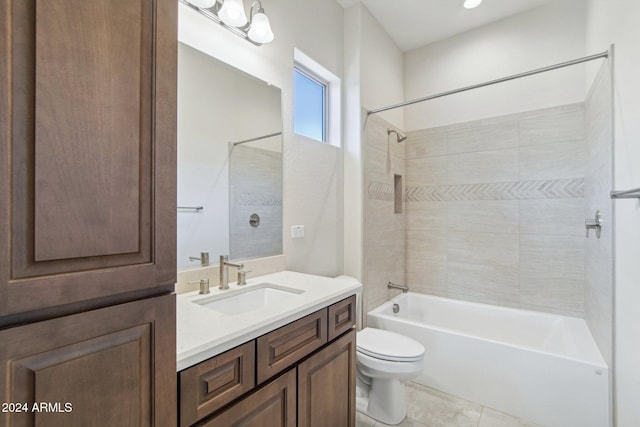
(204, 285)
(203, 258)
(242, 276)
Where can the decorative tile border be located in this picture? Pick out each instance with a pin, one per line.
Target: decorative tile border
(523, 190)
(380, 191)
(257, 199)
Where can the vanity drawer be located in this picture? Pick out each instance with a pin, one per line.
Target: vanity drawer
(342, 317)
(209, 385)
(272, 405)
(283, 347)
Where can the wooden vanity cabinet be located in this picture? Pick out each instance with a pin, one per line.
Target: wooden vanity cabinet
(87, 154)
(327, 385)
(88, 211)
(109, 367)
(316, 390)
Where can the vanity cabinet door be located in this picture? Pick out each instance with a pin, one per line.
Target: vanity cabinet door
(274, 405)
(327, 385)
(109, 367)
(87, 151)
(211, 384)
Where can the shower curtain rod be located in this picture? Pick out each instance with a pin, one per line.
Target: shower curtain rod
(256, 139)
(604, 54)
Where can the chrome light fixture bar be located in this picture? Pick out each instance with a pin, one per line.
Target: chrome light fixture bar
(230, 14)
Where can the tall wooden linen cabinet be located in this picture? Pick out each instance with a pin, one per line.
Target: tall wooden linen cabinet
(87, 212)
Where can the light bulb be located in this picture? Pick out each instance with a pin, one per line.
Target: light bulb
(260, 31)
(204, 4)
(470, 4)
(232, 13)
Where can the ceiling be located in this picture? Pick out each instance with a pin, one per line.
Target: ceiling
(415, 23)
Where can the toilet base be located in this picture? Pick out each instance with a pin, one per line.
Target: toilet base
(384, 402)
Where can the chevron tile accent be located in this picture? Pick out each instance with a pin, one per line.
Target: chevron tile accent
(522, 190)
(257, 199)
(380, 191)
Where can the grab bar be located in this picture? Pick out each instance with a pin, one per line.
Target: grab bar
(403, 288)
(629, 194)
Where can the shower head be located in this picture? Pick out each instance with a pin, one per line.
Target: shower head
(399, 135)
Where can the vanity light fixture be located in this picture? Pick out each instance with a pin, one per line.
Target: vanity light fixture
(231, 15)
(470, 4)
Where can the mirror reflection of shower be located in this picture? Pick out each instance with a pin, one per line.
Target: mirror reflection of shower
(399, 135)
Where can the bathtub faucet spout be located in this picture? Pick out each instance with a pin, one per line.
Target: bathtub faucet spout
(403, 288)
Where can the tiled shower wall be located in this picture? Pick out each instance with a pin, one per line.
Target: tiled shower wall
(495, 210)
(255, 186)
(598, 183)
(384, 230)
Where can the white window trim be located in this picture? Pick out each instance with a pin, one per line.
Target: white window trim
(333, 103)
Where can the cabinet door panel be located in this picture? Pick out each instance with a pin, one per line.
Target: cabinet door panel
(211, 384)
(274, 405)
(87, 164)
(74, 164)
(114, 366)
(326, 385)
(342, 317)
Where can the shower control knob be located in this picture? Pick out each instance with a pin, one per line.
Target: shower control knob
(594, 224)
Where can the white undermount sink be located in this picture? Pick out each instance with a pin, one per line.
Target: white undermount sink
(257, 297)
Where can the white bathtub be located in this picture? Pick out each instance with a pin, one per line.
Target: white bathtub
(541, 367)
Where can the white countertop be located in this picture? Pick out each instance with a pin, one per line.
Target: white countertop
(203, 333)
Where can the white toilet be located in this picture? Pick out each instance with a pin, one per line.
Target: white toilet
(385, 361)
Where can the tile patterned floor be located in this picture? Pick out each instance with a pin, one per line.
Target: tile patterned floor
(427, 407)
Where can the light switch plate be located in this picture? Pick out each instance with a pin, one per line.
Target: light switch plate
(297, 231)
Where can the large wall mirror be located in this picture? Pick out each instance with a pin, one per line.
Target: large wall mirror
(229, 161)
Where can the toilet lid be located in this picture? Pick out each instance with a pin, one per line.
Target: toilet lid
(387, 345)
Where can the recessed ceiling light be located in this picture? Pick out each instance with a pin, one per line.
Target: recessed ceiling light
(470, 4)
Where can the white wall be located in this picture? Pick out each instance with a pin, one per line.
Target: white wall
(382, 70)
(312, 171)
(616, 21)
(374, 70)
(544, 36)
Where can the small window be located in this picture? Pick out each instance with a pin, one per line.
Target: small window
(316, 101)
(309, 106)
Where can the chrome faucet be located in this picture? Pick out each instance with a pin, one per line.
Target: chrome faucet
(203, 258)
(403, 288)
(224, 271)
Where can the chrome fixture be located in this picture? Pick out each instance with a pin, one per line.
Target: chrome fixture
(403, 288)
(203, 258)
(191, 208)
(629, 194)
(242, 277)
(231, 15)
(396, 308)
(224, 271)
(604, 54)
(254, 220)
(399, 135)
(204, 286)
(594, 224)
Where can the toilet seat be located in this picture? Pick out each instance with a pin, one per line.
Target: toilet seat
(387, 345)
